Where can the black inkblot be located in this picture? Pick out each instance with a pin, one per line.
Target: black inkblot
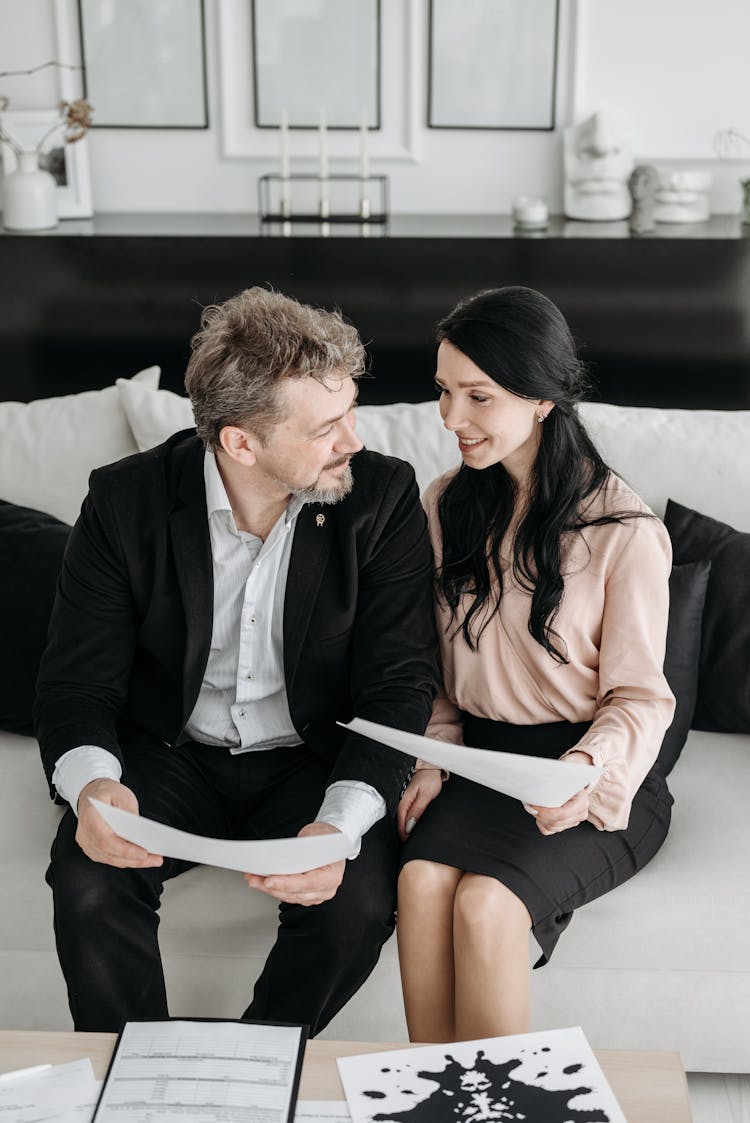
(479, 1086)
(572, 1068)
(375, 1095)
(539, 1075)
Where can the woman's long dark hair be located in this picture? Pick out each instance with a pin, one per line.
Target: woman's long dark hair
(520, 339)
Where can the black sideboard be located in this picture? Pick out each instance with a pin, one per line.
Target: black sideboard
(662, 320)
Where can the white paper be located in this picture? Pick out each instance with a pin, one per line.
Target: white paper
(532, 779)
(322, 1111)
(65, 1093)
(545, 1077)
(260, 856)
(201, 1072)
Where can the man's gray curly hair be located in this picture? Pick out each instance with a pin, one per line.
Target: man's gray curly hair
(249, 345)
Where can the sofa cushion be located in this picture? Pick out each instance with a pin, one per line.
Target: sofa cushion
(693, 455)
(49, 447)
(687, 596)
(153, 415)
(724, 680)
(31, 550)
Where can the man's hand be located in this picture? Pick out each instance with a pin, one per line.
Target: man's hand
(552, 820)
(311, 888)
(97, 840)
(425, 784)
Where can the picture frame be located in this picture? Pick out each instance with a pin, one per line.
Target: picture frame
(492, 66)
(400, 137)
(329, 59)
(67, 162)
(144, 64)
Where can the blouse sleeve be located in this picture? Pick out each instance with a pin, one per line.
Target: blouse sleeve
(634, 703)
(446, 723)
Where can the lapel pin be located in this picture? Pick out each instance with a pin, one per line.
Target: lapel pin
(319, 520)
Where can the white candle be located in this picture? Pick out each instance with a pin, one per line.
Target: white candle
(323, 146)
(364, 155)
(530, 210)
(284, 143)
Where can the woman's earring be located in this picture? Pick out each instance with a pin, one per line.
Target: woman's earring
(540, 418)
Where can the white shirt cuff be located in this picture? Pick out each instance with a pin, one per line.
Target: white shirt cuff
(78, 767)
(353, 807)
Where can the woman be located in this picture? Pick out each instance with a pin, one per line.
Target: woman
(552, 603)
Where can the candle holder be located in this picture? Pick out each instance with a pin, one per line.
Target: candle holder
(338, 198)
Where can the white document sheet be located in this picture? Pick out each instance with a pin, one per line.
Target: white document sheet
(322, 1111)
(65, 1093)
(203, 1072)
(547, 783)
(262, 856)
(545, 1077)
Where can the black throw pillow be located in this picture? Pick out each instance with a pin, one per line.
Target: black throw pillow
(723, 703)
(687, 596)
(31, 550)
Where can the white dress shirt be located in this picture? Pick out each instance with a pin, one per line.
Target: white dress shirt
(242, 704)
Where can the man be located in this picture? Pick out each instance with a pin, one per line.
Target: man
(225, 598)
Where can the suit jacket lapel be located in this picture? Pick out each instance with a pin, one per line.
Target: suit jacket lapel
(188, 525)
(313, 535)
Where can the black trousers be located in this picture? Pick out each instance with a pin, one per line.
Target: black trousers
(106, 919)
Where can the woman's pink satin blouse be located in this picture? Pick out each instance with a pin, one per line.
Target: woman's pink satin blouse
(613, 620)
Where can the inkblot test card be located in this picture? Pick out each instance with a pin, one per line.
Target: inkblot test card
(546, 1077)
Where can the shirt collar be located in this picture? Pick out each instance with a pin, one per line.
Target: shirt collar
(216, 494)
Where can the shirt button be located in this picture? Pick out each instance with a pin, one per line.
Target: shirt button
(242, 713)
(249, 677)
(252, 619)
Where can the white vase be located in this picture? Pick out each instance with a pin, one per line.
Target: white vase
(29, 196)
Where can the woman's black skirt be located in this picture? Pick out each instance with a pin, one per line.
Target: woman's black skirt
(481, 831)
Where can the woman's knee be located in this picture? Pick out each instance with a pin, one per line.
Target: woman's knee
(429, 882)
(485, 911)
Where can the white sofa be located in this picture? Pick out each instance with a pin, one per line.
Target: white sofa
(659, 963)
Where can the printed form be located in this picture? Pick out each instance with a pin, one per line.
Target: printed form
(203, 1072)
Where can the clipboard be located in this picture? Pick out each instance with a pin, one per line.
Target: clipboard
(210, 1063)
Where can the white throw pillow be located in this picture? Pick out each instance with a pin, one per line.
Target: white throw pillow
(413, 432)
(700, 457)
(153, 414)
(49, 447)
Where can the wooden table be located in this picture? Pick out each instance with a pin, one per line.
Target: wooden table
(650, 1087)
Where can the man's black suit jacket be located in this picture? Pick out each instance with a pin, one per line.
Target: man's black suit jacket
(131, 626)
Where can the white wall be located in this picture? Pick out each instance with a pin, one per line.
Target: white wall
(675, 69)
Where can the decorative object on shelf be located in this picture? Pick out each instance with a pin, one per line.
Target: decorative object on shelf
(310, 55)
(492, 66)
(731, 144)
(324, 202)
(323, 198)
(643, 182)
(597, 162)
(45, 165)
(683, 197)
(344, 195)
(530, 212)
(29, 201)
(144, 64)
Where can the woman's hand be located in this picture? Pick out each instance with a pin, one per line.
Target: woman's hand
(425, 784)
(552, 820)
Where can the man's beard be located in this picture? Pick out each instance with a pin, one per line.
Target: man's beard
(328, 495)
(324, 495)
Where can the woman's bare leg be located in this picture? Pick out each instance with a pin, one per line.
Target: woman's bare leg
(491, 954)
(425, 947)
